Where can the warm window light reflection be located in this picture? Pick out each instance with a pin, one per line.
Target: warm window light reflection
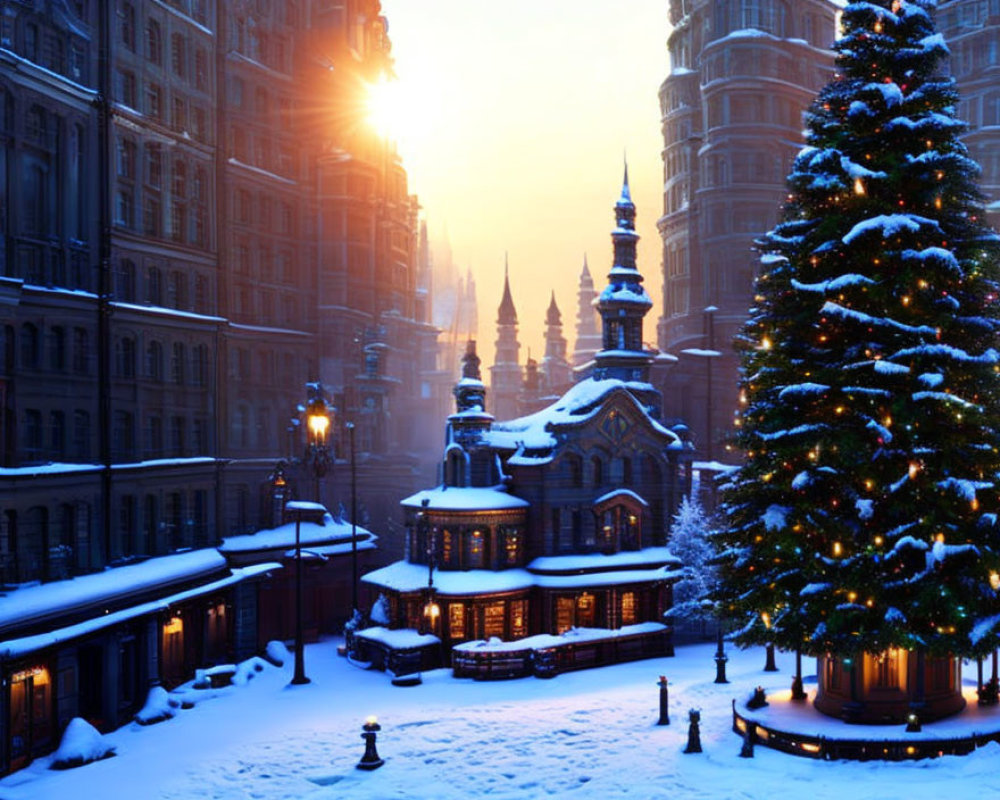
(174, 625)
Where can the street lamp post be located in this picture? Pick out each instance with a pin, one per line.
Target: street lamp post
(297, 508)
(318, 429)
(354, 522)
(431, 609)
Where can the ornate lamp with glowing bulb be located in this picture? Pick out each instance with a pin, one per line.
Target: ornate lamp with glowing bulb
(370, 760)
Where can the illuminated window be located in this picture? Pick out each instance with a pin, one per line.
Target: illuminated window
(628, 608)
(493, 620)
(565, 607)
(518, 618)
(585, 610)
(475, 549)
(886, 673)
(456, 620)
(447, 551)
(512, 547)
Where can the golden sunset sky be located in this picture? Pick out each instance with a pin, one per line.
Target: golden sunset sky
(512, 121)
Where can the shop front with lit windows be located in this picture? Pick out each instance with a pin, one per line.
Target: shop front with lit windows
(478, 604)
(109, 638)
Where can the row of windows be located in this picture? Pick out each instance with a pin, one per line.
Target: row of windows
(56, 50)
(182, 114)
(47, 544)
(779, 18)
(155, 524)
(253, 430)
(982, 111)
(48, 173)
(741, 166)
(179, 289)
(250, 38)
(269, 368)
(175, 436)
(61, 349)
(184, 182)
(175, 220)
(258, 149)
(186, 369)
(186, 62)
(615, 529)
(265, 307)
(468, 546)
(57, 436)
(263, 212)
(968, 15)
(972, 55)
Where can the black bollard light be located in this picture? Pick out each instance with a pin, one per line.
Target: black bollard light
(694, 733)
(720, 660)
(370, 760)
(746, 751)
(913, 722)
(664, 702)
(798, 693)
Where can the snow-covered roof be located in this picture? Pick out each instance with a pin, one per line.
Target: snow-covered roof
(113, 586)
(580, 403)
(465, 498)
(619, 493)
(311, 534)
(304, 505)
(15, 648)
(404, 576)
(542, 641)
(400, 638)
(598, 562)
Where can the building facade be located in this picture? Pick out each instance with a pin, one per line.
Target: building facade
(544, 548)
(972, 30)
(196, 221)
(741, 74)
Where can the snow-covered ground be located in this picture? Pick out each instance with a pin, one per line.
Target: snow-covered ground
(588, 734)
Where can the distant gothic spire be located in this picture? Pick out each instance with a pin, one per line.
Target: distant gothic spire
(588, 337)
(555, 368)
(505, 374)
(506, 314)
(553, 316)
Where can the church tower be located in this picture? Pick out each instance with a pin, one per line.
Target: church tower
(556, 370)
(468, 459)
(588, 337)
(505, 374)
(623, 303)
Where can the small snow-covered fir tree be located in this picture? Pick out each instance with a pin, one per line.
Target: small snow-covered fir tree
(689, 541)
(865, 514)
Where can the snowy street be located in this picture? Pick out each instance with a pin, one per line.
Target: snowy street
(589, 734)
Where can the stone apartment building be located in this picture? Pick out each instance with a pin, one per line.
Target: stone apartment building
(196, 221)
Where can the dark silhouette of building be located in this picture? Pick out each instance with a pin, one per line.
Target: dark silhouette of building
(196, 221)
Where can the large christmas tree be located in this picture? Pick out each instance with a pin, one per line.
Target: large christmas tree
(865, 516)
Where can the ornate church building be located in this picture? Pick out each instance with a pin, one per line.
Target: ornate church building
(544, 548)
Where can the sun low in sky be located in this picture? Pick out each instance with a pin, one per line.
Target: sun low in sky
(513, 120)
